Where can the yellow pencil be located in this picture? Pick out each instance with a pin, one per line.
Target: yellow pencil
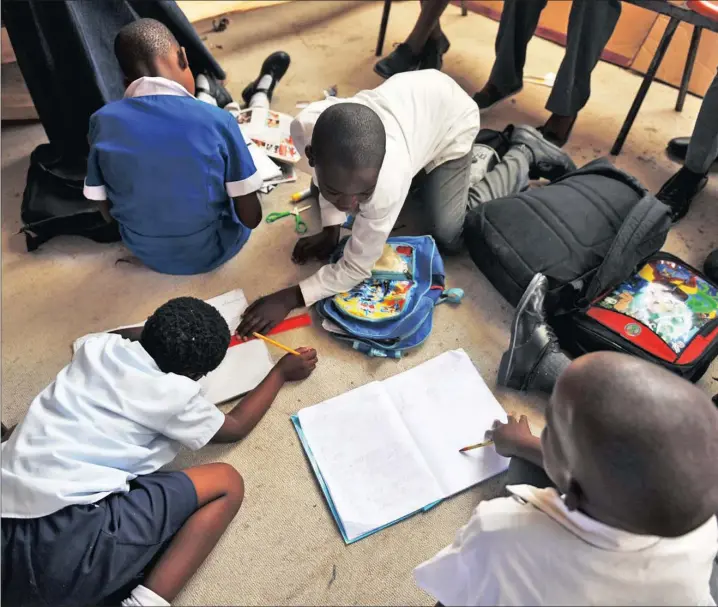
(486, 443)
(276, 343)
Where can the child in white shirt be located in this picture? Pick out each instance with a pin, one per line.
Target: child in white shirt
(628, 516)
(86, 516)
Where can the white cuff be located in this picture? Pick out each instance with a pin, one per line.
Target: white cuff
(331, 216)
(144, 597)
(94, 192)
(311, 290)
(245, 186)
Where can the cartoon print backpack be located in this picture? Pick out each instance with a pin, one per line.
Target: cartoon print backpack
(666, 312)
(393, 310)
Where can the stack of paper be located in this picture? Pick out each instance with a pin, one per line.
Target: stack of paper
(390, 449)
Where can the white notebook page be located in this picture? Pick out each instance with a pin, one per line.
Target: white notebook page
(446, 405)
(369, 461)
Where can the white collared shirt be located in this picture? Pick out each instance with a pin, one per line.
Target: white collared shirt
(110, 415)
(429, 120)
(534, 551)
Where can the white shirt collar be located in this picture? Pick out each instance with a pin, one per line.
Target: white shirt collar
(155, 85)
(589, 530)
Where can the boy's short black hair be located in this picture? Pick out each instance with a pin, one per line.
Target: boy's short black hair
(350, 135)
(186, 336)
(140, 43)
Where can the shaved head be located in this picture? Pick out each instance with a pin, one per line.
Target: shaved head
(635, 445)
(143, 45)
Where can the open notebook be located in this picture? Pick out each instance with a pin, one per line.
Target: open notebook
(244, 366)
(390, 449)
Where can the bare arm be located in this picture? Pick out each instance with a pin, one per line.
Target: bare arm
(248, 209)
(514, 439)
(241, 420)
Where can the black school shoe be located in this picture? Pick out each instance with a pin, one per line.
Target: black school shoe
(400, 60)
(489, 96)
(531, 338)
(549, 160)
(216, 90)
(432, 57)
(276, 66)
(680, 190)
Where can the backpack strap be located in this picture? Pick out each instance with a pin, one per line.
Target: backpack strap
(625, 252)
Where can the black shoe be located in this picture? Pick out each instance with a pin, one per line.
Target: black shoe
(549, 160)
(432, 57)
(678, 147)
(680, 190)
(710, 267)
(489, 96)
(555, 138)
(216, 89)
(276, 66)
(400, 60)
(531, 338)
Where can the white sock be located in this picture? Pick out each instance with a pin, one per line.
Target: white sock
(202, 86)
(259, 100)
(144, 597)
(264, 82)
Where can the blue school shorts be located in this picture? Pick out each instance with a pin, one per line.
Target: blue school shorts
(83, 554)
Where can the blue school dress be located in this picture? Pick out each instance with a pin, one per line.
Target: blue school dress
(170, 165)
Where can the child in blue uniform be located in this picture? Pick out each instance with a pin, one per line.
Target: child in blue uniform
(174, 172)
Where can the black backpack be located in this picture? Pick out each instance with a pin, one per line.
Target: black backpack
(53, 202)
(584, 232)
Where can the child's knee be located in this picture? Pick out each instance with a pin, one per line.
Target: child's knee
(231, 482)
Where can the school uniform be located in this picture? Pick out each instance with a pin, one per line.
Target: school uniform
(529, 549)
(84, 508)
(170, 165)
(430, 125)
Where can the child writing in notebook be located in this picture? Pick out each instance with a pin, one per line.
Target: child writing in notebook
(173, 171)
(625, 511)
(86, 515)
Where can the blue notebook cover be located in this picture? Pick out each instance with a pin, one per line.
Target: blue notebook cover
(328, 496)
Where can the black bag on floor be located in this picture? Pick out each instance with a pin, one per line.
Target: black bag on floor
(53, 202)
(665, 312)
(596, 217)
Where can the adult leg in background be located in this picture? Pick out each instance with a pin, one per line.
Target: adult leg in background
(220, 491)
(517, 27)
(423, 47)
(680, 190)
(590, 25)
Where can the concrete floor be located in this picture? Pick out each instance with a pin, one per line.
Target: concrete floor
(283, 547)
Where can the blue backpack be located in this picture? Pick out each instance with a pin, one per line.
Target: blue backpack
(392, 311)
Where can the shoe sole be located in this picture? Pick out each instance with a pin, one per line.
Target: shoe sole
(385, 77)
(500, 101)
(507, 360)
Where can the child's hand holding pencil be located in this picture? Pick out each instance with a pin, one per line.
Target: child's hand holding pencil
(295, 367)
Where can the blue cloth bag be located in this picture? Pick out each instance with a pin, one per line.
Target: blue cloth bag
(404, 308)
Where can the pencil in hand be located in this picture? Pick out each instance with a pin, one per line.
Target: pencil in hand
(269, 340)
(485, 443)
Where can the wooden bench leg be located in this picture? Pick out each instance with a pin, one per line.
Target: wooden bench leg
(688, 70)
(647, 79)
(464, 10)
(382, 28)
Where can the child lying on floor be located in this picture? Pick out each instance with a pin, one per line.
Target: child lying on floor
(630, 451)
(85, 513)
(173, 171)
